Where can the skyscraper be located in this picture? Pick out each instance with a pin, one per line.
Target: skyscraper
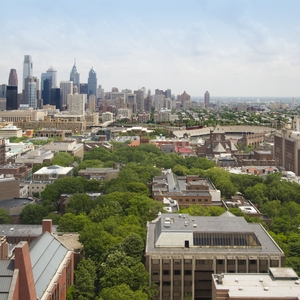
(27, 68)
(51, 71)
(206, 99)
(139, 100)
(30, 94)
(46, 85)
(76, 104)
(11, 97)
(92, 83)
(66, 88)
(55, 98)
(74, 76)
(13, 77)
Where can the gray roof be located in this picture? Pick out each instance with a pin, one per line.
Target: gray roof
(182, 227)
(22, 230)
(46, 254)
(6, 275)
(16, 202)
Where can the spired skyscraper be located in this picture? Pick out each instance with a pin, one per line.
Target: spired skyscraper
(13, 77)
(92, 83)
(75, 77)
(27, 68)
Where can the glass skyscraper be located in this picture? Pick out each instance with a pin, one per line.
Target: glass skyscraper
(92, 83)
(27, 68)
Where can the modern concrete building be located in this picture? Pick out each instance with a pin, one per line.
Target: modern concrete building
(279, 283)
(69, 146)
(52, 173)
(10, 188)
(10, 131)
(206, 99)
(35, 157)
(107, 116)
(182, 252)
(66, 88)
(76, 104)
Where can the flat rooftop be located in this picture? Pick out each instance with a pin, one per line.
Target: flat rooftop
(10, 230)
(260, 286)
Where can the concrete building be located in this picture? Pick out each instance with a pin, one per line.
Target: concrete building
(52, 173)
(206, 99)
(10, 188)
(182, 252)
(107, 116)
(10, 131)
(139, 100)
(66, 88)
(22, 115)
(20, 171)
(187, 190)
(35, 157)
(279, 283)
(76, 104)
(99, 173)
(69, 146)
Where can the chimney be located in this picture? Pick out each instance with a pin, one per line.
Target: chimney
(26, 280)
(47, 225)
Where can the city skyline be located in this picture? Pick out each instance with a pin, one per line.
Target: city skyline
(229, 48)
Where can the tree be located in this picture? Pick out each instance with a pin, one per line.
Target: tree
(133, 246)
(80, 203)
(4, 218)
(63, 159)
(33, 214)
(72, 223)
(85, 277)
(123, 292)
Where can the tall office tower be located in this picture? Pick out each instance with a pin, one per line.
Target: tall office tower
(131, 98)
(83, 88)
(27, 68)
(148, 104)
(51, 71)
(76, 104)
(74, 76)
(168, 93)
(55, 97)
(3, 90)
(100, 92)
(11, 97)
(92, 83)
(139, 100)
(66, 88)
(13, 77)
(31, 91)
(46, 85)
(206, 99)
(149, 92)
(92, 102)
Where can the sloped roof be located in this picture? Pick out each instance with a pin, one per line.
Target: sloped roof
(46, 254)
(232, 146)
(219, 148)
(6, 275)
(218, 130)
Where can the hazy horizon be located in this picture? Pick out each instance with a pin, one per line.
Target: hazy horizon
(229, 48)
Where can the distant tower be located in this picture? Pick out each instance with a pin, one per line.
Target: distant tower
(53, 74)
(74, 76)
(66, 88)
(27, 68)
(76, 104)
(30, 94)
(206, 99)
(92, 83)
(12, 97)
(13, 77)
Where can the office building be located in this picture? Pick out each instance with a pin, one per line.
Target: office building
(3, 90)
(139, 100)
(31, 92)
(66, 88)
(13, 77)
(92, 102)
(206, 99)
(279, 283)
(2, 103)
(52, 173)
(12, 97)
(83, 88)
(46, 86)
(27, 68)
(76, 104)
(287, 148)
(183, 252)
(55, 97)
(148, 104)
(75, 77)
(92, 83)
(53, 73)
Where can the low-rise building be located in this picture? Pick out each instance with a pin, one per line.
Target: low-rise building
(35, 157)
(10, 131)
(279, 283)
(52, 173)
(99, 173)
(68, 146)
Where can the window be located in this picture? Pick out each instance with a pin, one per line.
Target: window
(220, 261)
(177, 283)
(199, 200)
(155, 261)
(187, 261)
(155, 273)
(193, 200)
(166, 283)
(206, 200)
(166, 272)
(187, 272)
(177, 272)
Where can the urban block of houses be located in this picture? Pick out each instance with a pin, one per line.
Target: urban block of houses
(187, 190)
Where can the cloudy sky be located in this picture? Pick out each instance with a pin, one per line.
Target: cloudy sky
(228, 47)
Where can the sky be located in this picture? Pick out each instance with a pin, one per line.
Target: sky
(236, 48)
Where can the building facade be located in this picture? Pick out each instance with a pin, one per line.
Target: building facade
(182, 252)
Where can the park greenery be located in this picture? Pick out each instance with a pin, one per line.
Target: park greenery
(112, 227)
